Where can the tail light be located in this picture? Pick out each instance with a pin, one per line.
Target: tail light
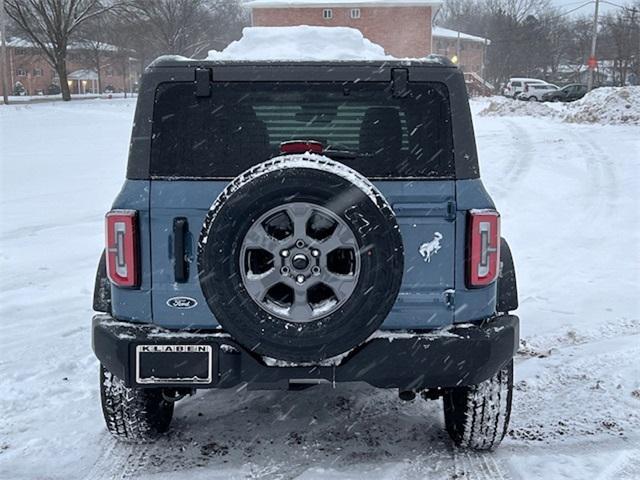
(484, 247)
(301, 146)
(122, 248)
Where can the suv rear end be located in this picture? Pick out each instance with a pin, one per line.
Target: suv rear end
(242, 172)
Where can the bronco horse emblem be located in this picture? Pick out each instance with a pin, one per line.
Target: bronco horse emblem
(430, 248)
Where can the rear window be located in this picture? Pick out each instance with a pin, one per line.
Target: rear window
(361, 124)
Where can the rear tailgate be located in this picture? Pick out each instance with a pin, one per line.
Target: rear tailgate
(425, 212)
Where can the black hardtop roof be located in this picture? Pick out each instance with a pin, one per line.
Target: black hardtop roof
(176, 61)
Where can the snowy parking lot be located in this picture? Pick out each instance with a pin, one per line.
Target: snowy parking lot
(568, 195)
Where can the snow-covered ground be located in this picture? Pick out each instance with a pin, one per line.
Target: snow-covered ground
(568, 194)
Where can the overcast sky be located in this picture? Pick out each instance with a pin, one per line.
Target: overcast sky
(566, 5)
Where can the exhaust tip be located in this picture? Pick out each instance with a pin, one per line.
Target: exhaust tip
(407, 395)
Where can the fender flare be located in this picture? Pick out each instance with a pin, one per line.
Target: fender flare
(507, 288)
(102, 287)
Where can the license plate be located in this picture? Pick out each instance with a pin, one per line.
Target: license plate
(177, 364)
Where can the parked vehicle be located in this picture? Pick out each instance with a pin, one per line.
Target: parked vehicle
(516, 85)
(53, 89)
(533, 92)
(568, 93)
(288, 224)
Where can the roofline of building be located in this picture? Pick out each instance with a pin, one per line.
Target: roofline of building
(19, 42)
(463, 36)
(340, 3)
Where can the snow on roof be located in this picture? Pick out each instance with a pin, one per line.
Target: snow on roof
(302, 43)
(83, 74)
(339, 3)
(17, 42)
(446, 33)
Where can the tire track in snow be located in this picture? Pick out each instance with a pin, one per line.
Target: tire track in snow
(523, 160)
(602, 177)
(477, 466)
(118, 461)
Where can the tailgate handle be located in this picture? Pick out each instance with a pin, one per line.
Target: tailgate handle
(444, 210)
(181, 265)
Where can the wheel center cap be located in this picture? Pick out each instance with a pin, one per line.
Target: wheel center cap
(300, 261)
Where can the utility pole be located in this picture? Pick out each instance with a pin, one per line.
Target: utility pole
(592, 58)
(3, 53)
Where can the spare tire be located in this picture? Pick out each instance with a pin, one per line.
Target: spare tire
(300, 258)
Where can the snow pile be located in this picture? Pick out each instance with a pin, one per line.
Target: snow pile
(302, 43)
(607, 105)
(502, 106)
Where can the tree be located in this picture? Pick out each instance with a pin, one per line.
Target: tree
(184, 27)
(50, 24)
(621, 40)
(92, 41)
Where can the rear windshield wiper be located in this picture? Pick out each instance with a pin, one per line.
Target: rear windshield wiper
(348, 154)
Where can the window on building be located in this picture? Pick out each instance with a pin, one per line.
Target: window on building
(21, 72)
(355, 13)
(109, 71)
(38, 72)
(327, 13)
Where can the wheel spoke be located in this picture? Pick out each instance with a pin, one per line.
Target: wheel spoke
(300, 310)
(259, 284)
(300, 214)
(340, 238)
(342, 285)
(257, 238)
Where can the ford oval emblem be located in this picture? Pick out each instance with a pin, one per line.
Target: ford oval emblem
(182, 302)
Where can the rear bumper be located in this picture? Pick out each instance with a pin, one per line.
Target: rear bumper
(463, 355)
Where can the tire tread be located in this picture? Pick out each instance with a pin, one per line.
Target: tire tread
(477, 417)
(133, 414)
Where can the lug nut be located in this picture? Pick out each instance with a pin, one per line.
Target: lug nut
(284, 253)
(315, 270)
(300, 244)
(300, 279)
(315, 253)
(284, 270)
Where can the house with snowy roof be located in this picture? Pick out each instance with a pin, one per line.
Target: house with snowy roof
(91, 67)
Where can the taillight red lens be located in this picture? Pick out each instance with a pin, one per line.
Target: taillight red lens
(484, 247)
(122, 248)
(301, 146)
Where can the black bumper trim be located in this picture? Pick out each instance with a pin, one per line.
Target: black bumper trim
(462, 355)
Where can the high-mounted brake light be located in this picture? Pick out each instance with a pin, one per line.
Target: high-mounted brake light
(484, 247)
(122, 248)
(301, 146)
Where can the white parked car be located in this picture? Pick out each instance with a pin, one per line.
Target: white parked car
(516, 85)
(533, 92)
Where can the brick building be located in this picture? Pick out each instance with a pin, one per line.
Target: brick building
(401, 27)
(28, 67)
(469, 49)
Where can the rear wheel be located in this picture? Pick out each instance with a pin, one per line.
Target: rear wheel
(477, 417)
(133, 414)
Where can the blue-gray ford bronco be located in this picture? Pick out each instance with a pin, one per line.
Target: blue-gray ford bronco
(287, 224)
